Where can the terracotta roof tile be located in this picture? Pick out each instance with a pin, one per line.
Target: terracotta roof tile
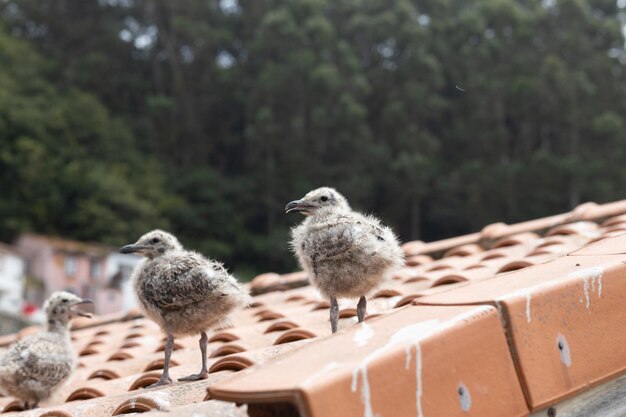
(274, 282)
(615, 245)
(517, 239)
(417, 260)
(557, 314)
(417, 360)
(615, 220)
(504, 322)
(464, 250)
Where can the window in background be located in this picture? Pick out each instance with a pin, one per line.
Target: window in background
(88, 291)
(70, 266)
(94, 268)
(127, 271)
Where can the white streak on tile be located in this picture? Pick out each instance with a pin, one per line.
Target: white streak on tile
(363, 334)
(365, 388)
(586, 291)
(410, 335)
(589, 276)
(418, 377)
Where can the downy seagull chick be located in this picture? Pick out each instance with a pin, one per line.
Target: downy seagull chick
(36, 366)
(345, 253)
(183, 292)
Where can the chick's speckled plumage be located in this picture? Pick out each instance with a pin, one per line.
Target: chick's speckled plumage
(34, 367)
(345, 253)
(183, 292)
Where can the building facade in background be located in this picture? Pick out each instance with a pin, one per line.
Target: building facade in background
(119, 268)
(88, 270)
(12, 269)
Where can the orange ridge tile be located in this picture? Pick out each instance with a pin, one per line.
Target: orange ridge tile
(564, 320)
(451, 361)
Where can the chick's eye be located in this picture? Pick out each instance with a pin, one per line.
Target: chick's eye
(155, 240)
(65, 300)
(324, 198)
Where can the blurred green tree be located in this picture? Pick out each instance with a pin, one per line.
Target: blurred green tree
(66, 166)
(206, 117)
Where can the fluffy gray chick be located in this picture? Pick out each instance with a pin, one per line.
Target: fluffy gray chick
(183, 292)
(345, 253)
(33, 368)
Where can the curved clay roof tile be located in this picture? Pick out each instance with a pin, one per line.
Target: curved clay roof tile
(157, 364)
(517, 239)
(84, 393)
(139, 404)
(294, 335)
(281, 325)
(145, 380)
(228, 349)
(56, 413)
(105, 374)
(223, 337)
(464, 250)
(233, 363)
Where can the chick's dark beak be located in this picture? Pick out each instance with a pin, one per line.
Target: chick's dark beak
(298, 206)
(132, 248)
(81, 303)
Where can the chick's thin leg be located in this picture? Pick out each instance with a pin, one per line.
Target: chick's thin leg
(334, 313)
(361, 308)
(204, 340)
(165, 376)
(35, 405)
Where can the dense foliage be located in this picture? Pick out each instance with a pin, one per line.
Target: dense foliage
(206, 117)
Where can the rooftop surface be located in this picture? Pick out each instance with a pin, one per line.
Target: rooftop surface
(510, 321)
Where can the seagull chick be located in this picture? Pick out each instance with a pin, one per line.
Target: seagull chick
(183, 292)
(345, 253)
(36, 366)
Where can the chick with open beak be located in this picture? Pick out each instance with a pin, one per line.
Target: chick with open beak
(76, 309)
(36, 366)
(63, 306)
